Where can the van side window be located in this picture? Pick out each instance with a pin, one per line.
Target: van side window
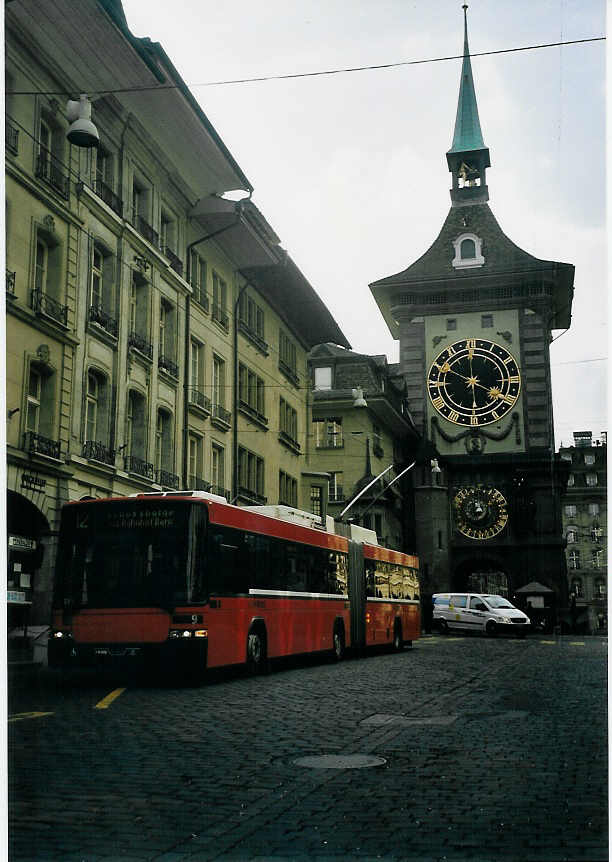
(459, 601)
(441, 600)
(477, 604)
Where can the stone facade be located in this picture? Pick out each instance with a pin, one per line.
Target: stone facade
(152, 338)
(585, 526)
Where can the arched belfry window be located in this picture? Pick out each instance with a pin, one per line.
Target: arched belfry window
(468, 251)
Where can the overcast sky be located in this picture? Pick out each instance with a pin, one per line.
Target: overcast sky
(350, 169)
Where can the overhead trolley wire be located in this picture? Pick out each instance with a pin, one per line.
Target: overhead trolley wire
(319, 73)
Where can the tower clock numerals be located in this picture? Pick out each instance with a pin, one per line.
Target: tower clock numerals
(474, 382)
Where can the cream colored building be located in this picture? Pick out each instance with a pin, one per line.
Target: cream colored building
(156, 332)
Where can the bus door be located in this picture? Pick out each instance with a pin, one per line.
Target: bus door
(357, 591)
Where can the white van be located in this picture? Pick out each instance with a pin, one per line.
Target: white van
(478, 612)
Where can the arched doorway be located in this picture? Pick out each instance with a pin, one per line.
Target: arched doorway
(482, 573)
(27, 530)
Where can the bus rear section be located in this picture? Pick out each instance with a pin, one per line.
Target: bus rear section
(385, 596)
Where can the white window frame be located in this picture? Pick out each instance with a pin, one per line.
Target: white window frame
(459, 262)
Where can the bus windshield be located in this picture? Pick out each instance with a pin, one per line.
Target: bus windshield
(127, 554)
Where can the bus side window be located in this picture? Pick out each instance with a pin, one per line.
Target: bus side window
(370, 578)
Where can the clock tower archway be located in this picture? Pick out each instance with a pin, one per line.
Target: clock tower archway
(474, 316)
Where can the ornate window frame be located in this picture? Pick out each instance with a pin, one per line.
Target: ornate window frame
(465, 262)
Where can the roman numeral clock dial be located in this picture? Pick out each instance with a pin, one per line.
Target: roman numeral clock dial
(474, 382)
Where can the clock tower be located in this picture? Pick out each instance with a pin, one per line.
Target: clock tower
(474, 317)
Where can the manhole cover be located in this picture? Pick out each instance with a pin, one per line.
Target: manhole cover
(340, 761)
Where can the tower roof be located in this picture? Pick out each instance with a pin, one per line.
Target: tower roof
(468, 135)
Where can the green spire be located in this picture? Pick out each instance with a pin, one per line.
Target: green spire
(468, 136)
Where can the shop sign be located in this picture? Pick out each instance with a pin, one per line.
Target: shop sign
(15, 596)
(32, 483)
(20, 543)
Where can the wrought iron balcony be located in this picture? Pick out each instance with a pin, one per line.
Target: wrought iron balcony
(164, 363)
(251, 496)
(11, 137)
(10, 284)
(96, 451)
(220, 315)
(336, 495)
(221, 416)
(167, 479)
(198, 399)
(109, 197)
(289, 372)
(39, 445)
(144, 229)
(45, 304)
(175, 262)
(97, 315)
(138, 342)
(49, 169)
(139, 467)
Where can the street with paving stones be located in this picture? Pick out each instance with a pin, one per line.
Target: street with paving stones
(457, 748)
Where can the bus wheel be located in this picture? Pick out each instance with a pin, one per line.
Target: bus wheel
(338, 642)
(398, 641)
(256, 652)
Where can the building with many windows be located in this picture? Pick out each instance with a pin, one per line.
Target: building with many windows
(361, 428)
(585, 526)
(150, 341)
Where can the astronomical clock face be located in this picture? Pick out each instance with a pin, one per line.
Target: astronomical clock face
(480, 513)
(474, 382)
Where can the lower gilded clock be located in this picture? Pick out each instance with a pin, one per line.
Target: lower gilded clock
(480, 513)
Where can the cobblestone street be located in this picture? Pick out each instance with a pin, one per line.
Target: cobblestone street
(493, 749)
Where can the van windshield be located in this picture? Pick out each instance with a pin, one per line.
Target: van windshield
(498, 602)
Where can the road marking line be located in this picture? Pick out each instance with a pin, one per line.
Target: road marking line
(576, 643)
(548, 642)
(21, 716)
(106, 701)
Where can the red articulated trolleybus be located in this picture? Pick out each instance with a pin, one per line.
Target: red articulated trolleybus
(183, 581)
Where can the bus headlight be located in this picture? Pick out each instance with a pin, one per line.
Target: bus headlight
(62, 634)
(201, 633)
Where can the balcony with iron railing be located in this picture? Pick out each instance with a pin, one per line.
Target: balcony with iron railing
(10, 285)
(198, 399)
(51, 171)
(109, 197)
(220, 417)
(11, 138)
(197, 484)
(336, 495)
(96, 451)
(36, 444)
(141, 344)
(167, 479)
(144, 229)
(167, 365)
(175, 262)
(139, 467)
(220, 316)
(101, 318)
(42, 303)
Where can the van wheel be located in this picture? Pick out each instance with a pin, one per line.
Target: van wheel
(443, 627)
(338, 641)
(398, 641)
(257, 661)
(491, 629)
